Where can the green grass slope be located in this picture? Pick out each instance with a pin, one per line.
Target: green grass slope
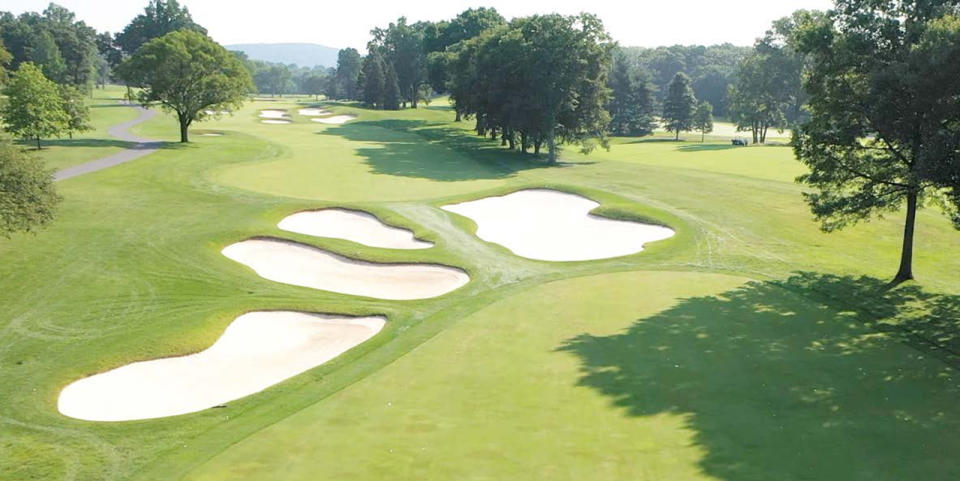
(662, 365)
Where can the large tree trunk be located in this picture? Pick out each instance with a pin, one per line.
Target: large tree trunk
(458, 117)
(551, 146)
(906, 255)
(38, 143)
(184, 127)
(677, 137)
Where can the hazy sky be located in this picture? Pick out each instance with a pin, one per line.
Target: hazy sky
(346, 23)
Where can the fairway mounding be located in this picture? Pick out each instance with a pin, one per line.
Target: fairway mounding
(336, 119)
(551, 225)
(313, 112)
(352, 225)
(256, 351)
(302, 265)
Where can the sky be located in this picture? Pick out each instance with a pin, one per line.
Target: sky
(339, 23)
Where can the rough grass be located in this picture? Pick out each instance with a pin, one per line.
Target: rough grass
(534, 369)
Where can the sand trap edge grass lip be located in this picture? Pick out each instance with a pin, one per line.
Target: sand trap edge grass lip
(423, 244)
(213, 363)
(462, 276)
(634, 230)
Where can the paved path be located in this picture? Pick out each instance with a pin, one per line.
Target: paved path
(121, 131)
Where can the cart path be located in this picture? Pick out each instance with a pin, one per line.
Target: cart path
(121, 131)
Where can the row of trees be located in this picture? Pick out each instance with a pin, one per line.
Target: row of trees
(534, 81)
(62, 47)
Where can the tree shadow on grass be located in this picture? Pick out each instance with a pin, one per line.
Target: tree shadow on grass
(805, 378)
(705, 147)
(416, 148)
(79, 142)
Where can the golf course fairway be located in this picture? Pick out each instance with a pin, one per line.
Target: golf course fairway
(750, 345)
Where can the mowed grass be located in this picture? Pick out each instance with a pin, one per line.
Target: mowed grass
(640, 376)
(105, 111)
(751, 346)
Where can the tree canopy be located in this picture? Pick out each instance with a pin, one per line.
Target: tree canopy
(159, 18)
(27, 196)
(65, 49)
(632, 98)
(187, 73)
(34, 108)
(703, 119)
(542, 78)
(884, 127)
(679, 105)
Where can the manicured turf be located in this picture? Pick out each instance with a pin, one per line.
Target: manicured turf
(105, 111)
(661, 365)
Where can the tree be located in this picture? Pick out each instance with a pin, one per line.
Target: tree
(187, 73)
(703, 119)
(27, 197)
(543, 77)
(34, 108)
(679, 105)
(44, 53)
(5, 59)
(159, 18)
(884, 129)
(315, 85)
(349, 63)
(373, 79)
(631, 99)
(78, 113)
(401, 47)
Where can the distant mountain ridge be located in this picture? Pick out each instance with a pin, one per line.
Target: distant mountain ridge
(302, 54)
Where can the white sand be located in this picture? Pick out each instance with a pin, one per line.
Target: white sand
(555, 226)
(336, 119)
(273, 114)
(312, 112)
(211, 135)
(356, 226)
(302, 265)
(275, 122)
(256, 351)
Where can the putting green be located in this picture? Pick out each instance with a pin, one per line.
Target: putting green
(641, 375)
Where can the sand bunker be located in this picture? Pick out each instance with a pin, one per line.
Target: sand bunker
(555, 226)
(336, 119)
(356, 226)
(275, 122)
(256, 351)
(302, 265)
(313, 112)
(273, 114)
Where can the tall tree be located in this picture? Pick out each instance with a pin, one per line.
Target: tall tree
(5, 59)
(401, 46)
(188, 74)
(372, 79)
(884, 128)
(27, 197)
(631, 99)
(679, 105)
(78, 113)
(703, 119)
(34, 108)
(349, 63)
(159, 18)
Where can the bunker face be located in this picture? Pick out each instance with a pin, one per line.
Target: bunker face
(336, 119)
(301, 265)
(555, 226)
(256, 351)
(273, 114)
(276, 122)
(359, 227)
(313, 112)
